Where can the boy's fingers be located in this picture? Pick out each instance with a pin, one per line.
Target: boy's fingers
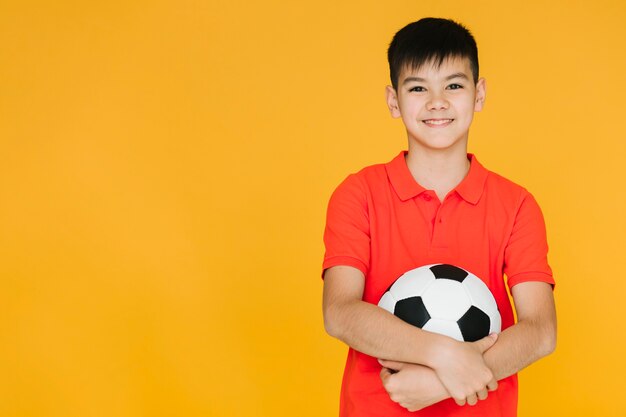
(482, 394)
(492, 385)
(472, 399)
(486, 342)
(385, 373)
(396, 366)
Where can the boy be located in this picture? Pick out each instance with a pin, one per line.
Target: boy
(434, 203)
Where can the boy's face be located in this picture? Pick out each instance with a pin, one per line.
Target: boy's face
(437, 104)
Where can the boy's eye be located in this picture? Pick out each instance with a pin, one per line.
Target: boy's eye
(455, 86)
(417, 88)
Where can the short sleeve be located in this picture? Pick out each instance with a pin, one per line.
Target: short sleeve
(347, 231)
(526, 253)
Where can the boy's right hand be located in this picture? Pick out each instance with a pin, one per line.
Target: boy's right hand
(462, 370)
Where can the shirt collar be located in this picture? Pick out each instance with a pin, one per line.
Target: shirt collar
(470, 189)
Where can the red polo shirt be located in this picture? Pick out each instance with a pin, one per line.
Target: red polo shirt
(381, 221)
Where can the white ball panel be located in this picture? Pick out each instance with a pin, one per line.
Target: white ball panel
(412, 283)
(387, 302)
(445, 327)
(480, 295)
(446, 299)
(496, 323)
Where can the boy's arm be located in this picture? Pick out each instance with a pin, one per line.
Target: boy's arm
(534, 334)
(375, 332)
(531, 338)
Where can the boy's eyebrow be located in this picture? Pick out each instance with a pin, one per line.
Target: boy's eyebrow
(448, 78)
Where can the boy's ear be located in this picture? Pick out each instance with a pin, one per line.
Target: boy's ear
(392, 102)
(481, 92)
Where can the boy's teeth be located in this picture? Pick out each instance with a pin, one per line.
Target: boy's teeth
(437, 122)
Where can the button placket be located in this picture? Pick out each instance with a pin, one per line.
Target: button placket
(438, 228)
(428, 210)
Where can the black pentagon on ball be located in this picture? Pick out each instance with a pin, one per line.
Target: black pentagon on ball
(413, 311)
(445, 271)
(474, 324)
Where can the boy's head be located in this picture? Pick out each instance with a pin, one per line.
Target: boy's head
(430, 40)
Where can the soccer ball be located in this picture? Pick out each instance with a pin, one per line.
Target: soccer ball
(444, 299)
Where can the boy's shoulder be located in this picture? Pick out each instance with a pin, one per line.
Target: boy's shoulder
(367, 176)
(377, 169)
(372, 173)
(504, 186)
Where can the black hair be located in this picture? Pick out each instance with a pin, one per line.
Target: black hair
(430, 40)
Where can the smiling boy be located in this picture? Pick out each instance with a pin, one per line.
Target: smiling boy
(434, 203)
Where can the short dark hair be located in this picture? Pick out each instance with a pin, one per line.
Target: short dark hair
(430, 40)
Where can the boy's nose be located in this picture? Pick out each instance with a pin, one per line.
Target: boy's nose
(437, 103)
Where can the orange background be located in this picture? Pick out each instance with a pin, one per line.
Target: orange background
(164, 173)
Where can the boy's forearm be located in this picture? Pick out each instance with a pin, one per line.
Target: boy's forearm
(534, 335)
(375, 332)
(519, 346)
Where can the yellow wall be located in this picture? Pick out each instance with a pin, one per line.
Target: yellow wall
(164, 173)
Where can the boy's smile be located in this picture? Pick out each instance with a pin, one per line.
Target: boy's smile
(437, 103)
(437, 122)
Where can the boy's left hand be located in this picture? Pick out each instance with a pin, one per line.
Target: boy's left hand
(412, 386)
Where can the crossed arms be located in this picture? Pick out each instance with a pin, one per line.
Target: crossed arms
(431, 367)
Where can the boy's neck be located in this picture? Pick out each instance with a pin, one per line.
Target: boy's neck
(438, 170)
